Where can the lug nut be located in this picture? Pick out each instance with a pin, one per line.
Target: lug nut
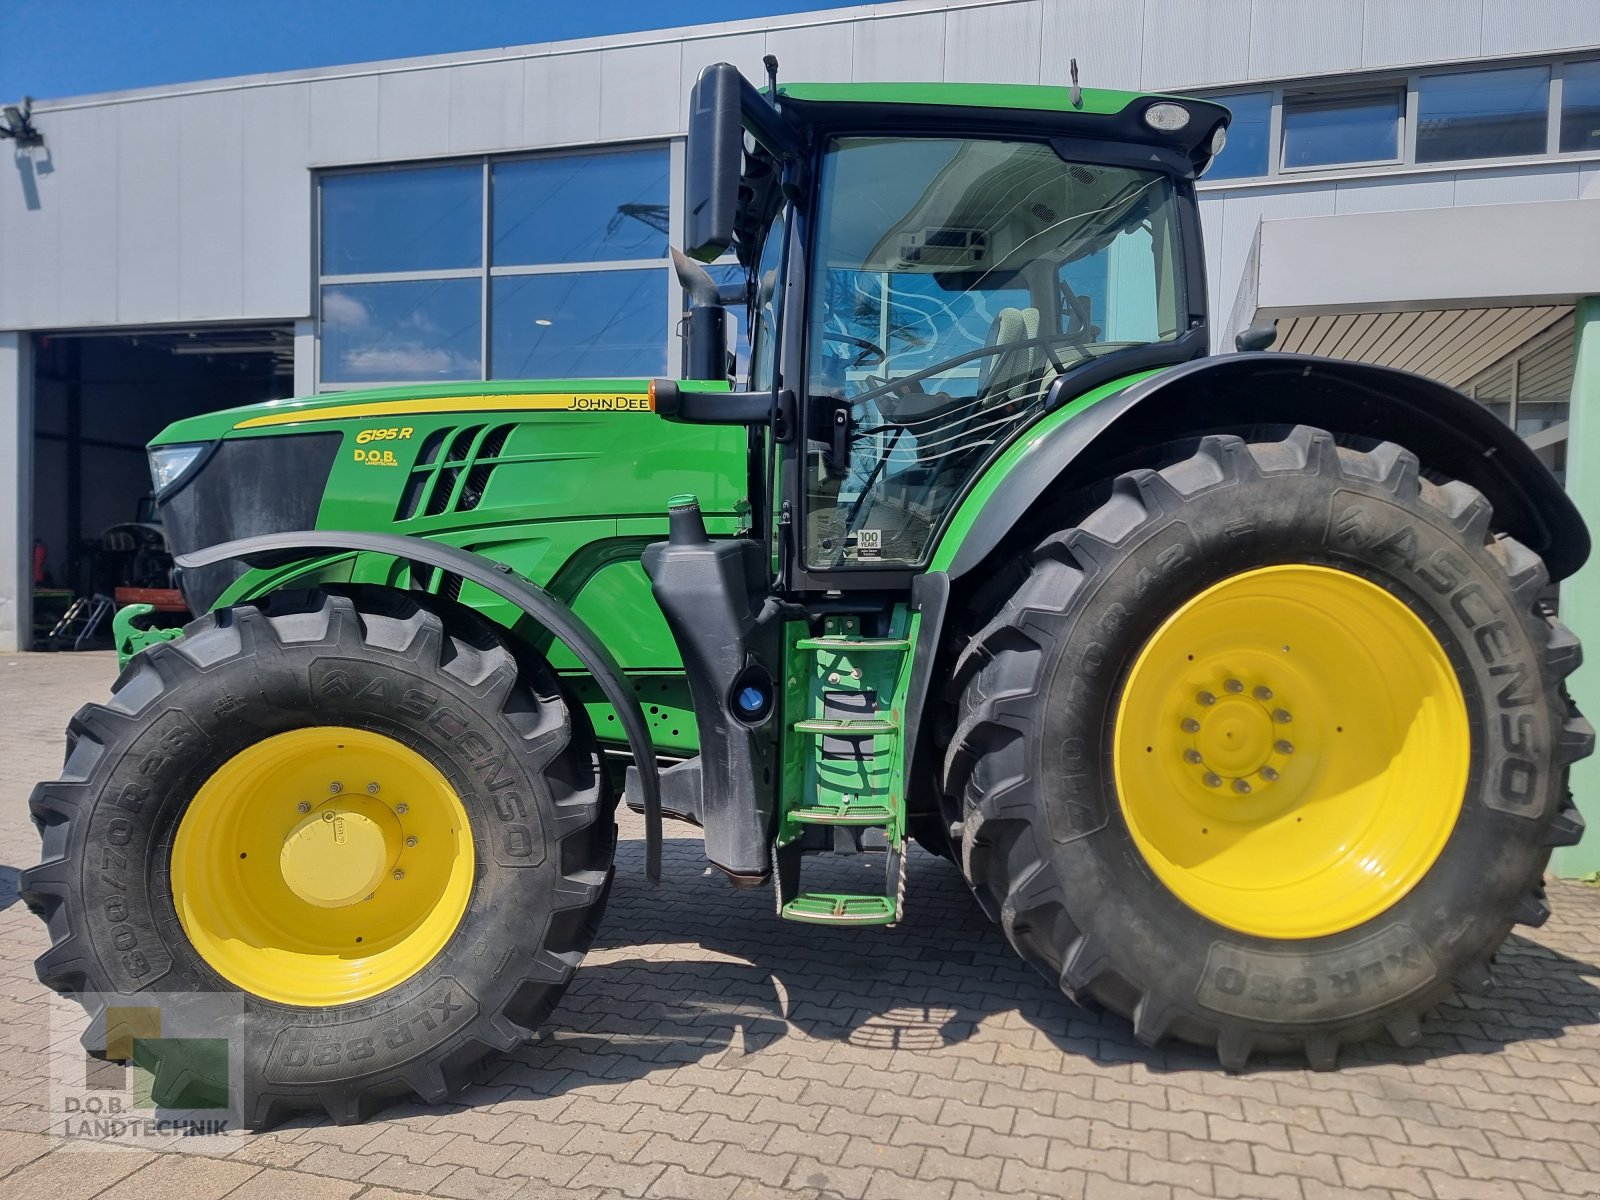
(1269, 775)
(1281, 716)
(1240, 786)
(372, 789)
(1190, 725)
(1233, 685)
(1263, 693)
(1206, 699)
(1212, 779)
(402, 808)
(304, 806)
(1283, 747)
(1192, 756)
(399, 874)
(411, 841)
(833, 677)
(336, 787)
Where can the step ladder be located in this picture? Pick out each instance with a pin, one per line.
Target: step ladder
(843, 692)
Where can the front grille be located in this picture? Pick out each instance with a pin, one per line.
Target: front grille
(246, 487)
(455, 479)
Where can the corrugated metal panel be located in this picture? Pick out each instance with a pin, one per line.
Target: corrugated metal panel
(561, 104)
(1379, 195)
(485, 106)
(211, 207)
(1411, 32)
(414, 113)
(819, 53)
(1553, 182)
(1589, 181)
(149, 234)
(743, 50)
(1522, 26)
(344, 120)
(1188, 44)
(85, 151)
(275, 258)
(641, 92)
(30, 237)
(1105, 36)
(902, 48)
(1304, 37)
(1451, 345)
(1003, 45)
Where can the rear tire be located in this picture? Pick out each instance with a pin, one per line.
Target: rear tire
(500, 736)
(1058, 856)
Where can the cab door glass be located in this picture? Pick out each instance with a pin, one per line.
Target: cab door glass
(952, 282)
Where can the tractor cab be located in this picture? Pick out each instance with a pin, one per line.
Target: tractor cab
(931, 269)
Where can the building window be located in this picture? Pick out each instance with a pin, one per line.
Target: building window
(402, 219)
(1249, 137)
(552, 266)
(402, 330)
(1580, 106)
(573, 208)
(1531, 389)
(1483, 114)
(1321, 131)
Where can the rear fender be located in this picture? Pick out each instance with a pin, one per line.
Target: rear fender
(1450, 432)
(279, 549)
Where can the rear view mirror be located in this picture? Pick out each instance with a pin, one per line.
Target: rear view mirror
(713, 160)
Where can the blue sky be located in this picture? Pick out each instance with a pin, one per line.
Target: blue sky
(69, 47)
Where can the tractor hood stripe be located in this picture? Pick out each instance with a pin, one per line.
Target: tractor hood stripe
(555, 402)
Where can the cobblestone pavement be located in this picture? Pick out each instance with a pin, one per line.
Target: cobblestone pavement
(708, 1050)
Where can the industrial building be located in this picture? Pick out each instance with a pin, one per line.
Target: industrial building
(1416, 184)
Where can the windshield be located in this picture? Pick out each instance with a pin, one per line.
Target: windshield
(953, 281)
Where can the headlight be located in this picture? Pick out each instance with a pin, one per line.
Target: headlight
(1219, 139)
(1166, 117)
(168, 463)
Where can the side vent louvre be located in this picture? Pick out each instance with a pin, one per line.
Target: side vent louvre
(453, 470)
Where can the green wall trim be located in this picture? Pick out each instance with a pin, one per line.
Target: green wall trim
(1580, 595)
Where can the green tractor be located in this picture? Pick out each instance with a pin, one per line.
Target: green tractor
(1229, 684)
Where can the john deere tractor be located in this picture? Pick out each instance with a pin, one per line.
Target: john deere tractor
(1230, 684)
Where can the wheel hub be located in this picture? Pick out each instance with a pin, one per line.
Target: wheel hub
(1291, 750)
(322, 866)
(339, 855)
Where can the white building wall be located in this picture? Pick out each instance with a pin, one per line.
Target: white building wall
(194, 203)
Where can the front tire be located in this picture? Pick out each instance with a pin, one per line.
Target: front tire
(1261, 869)
(389, 837)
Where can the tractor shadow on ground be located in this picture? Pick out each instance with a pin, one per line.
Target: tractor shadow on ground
(10, 886)
(692, 969)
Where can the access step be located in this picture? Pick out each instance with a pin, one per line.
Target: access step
(841, 645)
(872, 813)
(842, 728)
(828, 908)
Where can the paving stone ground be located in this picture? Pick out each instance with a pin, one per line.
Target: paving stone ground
(708, 1050)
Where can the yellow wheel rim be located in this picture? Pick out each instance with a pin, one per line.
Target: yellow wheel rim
(322, 866)
(1291, 751)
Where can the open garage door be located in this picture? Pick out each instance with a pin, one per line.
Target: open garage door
(98, 399)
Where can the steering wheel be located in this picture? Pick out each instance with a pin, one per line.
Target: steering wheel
(871, 353)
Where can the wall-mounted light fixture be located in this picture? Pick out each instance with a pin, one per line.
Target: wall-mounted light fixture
(18, 124)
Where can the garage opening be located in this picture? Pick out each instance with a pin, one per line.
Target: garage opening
(98, 400)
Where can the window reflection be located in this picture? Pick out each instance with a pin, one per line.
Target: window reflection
(402, 219)
(1580, 106)
(404, 330)
(732, 273)
(1246, 150)
(597, 324)
(1482, 114)
(1323, 130)
(581, 208)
